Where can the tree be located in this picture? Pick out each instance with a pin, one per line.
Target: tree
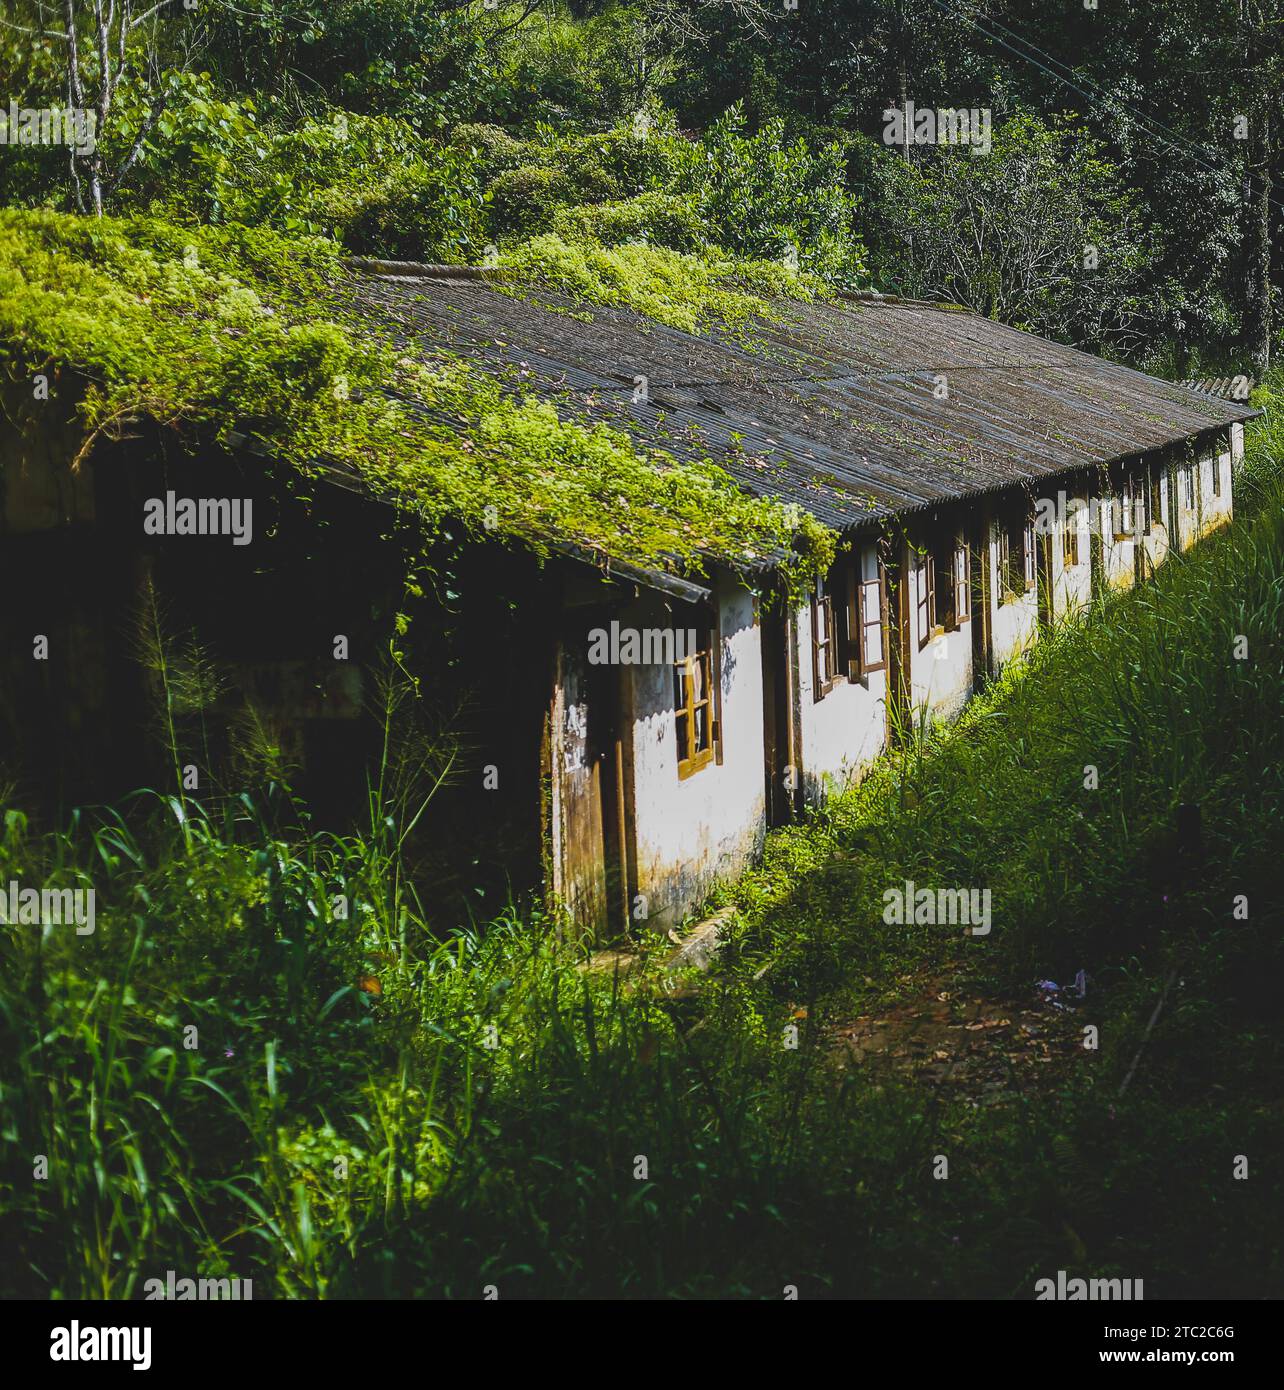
(1039, 233)
(108, 43)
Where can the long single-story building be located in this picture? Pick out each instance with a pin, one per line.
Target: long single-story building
(630, 735)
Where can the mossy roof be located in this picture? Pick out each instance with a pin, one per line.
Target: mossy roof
(836, 406)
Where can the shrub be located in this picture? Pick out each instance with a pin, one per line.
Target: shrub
(523, 201)
(496, 148)
(662, 218)
(381, 189)
(762, 195)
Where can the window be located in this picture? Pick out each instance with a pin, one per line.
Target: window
(962, 584)
(866, 614)
(1128, 511)
(1188, 483)
(1217, 476)
(1156, 497)
(1070, 539)
(1016, 554)
(951, 583)
(925, 590)
(1122, 509)
(696, 709)
(824, 646)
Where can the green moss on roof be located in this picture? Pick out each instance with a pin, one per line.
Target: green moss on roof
(218, 330)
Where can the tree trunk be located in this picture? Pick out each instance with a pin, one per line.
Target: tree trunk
(1257, 243)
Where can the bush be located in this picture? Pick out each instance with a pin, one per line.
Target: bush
(523, 201)
(763, 195)
(497, 150)
(371, 181)
(661, 218)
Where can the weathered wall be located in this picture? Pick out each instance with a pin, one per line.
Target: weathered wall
(690, 832)
(1014, 620)
(1118, 552)
(1158, 539)
(1071, 584)
(1215, 485)
(940, 673)
(1204, 504)
(842, 731)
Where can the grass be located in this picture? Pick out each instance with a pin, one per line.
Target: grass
(369, 1109)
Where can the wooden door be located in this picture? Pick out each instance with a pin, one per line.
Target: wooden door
(593, 883)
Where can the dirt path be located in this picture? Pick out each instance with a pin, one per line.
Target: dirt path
(976, 1045)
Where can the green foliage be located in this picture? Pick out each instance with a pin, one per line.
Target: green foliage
(1263, 448)
(524, 200)
(1006, 233)
(497, 150)
(759, 197)
(370, 181)
(687, 292)
(663, 218)
(764, 196)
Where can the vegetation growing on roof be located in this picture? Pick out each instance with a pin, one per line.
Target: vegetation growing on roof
(687, 292)
(214, 328)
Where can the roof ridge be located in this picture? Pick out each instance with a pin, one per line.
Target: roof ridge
(426, 270)
(446, 270)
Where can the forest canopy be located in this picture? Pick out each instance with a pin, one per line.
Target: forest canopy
(1112, 208)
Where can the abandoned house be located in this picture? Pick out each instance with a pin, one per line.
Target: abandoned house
(984, 483)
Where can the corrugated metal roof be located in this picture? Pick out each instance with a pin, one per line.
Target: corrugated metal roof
(834, 407)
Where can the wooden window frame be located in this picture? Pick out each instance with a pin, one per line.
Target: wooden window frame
(1017, 572)
(1217, 476)
(1070, 548)
(924, 596)
(1156, 498)
(685, 706)
(824, 648)
(1029, 553)
(1006, 591)
(1131, 503)
(962, 573)
(1124, 504)
(866, 610)
(944, 584)
(924, 571)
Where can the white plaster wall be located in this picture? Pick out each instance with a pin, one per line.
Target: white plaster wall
(1187, 514)
(1119, 557)
(690, 832)
(1216, 510)
(1015, 623)
(941, 672)
(1158, 539)
(844, 730)
(1071, 584)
